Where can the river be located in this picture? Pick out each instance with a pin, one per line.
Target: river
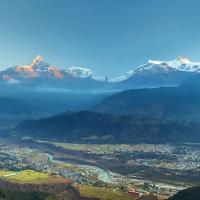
(102, 174)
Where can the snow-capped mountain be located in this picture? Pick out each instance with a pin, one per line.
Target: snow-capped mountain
(180, 64)
(39, 73)
(152, 74)
(39, 67)
(123, 77)
(79, 72)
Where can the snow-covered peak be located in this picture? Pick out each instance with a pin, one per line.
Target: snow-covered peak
(184, 64)
(79, 72)
(122, 77)
(155, 66)
(36, 60)
(177, 61)
(155, 62)
(40, 68)
(180, 64)
(183, 60)
(39, 64)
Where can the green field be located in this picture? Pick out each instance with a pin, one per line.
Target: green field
(5, 172)
(94, 148)
(25, 176)
(102, 193)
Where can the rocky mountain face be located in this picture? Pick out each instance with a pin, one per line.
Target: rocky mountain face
(153, 74)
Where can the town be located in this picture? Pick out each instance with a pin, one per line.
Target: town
(120, 166)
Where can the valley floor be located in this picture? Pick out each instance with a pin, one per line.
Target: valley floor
(104, 171)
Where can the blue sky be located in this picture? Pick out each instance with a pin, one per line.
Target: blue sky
(108, 36)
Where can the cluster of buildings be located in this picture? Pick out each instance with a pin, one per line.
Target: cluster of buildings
(178, 158)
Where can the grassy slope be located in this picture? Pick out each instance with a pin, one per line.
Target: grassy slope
(25, 176)
(102, 193)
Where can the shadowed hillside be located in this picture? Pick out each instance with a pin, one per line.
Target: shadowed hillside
(187, 194)
(162, 103)
(51, 190)
(89, 126)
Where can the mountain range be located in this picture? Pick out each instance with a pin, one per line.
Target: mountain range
(152, 74)
(173, 103)
(152, 114)
(156, 115)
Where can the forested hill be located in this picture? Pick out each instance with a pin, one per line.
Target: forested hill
(90, 126)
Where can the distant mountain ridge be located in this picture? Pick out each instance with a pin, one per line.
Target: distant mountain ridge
(179, 64)
(52, 190)
(153, 74)
(156, 115)
(94, 127)
(172, 103)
